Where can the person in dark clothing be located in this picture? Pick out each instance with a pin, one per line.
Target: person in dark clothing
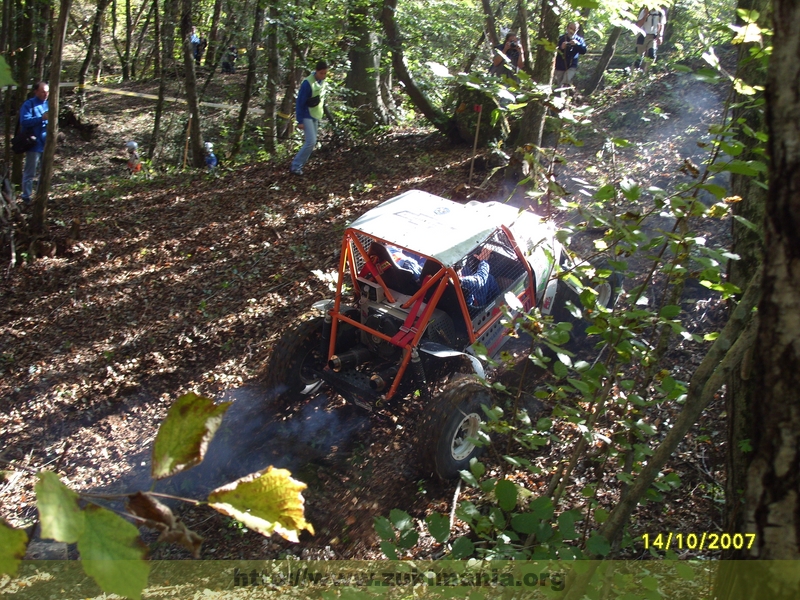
(510, 49)
(229, 61)
(33, 117)
(569, 47)
(309, 109)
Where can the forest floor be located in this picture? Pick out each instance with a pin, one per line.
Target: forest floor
(183, 282)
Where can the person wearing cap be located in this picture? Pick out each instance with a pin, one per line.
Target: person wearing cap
(134, 163)
(33, 117)
(309, 110)
(211, 158)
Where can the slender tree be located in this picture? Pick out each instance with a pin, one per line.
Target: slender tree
(190, 79)
(252, 62)
(94, 45)
(363, 79)
(43, 190)
(743, 389)
(420, 101)
(273, 80)
(602, 63)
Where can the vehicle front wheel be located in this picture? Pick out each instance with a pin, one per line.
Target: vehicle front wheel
(295, 358)
(452, 423)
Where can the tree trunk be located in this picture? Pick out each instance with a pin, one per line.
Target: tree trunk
(273, 79)
(418, 98)
(42, 12)
(524, 38)
(772, 498)
(491, 27)
(94, 42)
(23, 62)
(157, 58)
(252, 61)
(167, 25)
(213, 34)
(363, 78)
(291, 80)
(602, 64)
(198, 157)
(140, 40)
(742, 392)
(43, 191)
(532, 122)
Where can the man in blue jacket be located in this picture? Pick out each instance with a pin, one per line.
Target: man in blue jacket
(33, 118)
(309, 110)
(569, 47)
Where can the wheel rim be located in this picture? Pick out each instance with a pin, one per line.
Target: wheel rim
(307, 378)
(460, 446)
(604, 294)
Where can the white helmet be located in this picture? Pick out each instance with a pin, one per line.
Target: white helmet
(209, 147)
(132, 146)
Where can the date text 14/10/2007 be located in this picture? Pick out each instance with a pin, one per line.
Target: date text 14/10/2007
(699, 541)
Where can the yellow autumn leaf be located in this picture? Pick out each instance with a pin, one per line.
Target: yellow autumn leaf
(268, 501)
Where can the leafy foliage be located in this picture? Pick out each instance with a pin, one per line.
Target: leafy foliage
(112, 553)
(606, 404)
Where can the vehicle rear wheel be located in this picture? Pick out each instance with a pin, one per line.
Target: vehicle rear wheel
(453, 421)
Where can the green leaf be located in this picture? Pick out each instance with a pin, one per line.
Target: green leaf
(749, 224)
(477, 467)
(462, 548)
(438, 527)
(645, 427)
(112, 553)
(685, 571)
(13, 543)
(606, 192)
(506, 493)
(5, 73)
(390, 550)
(541, 508)
(268, 501)
(581, 386)
(61, 517)
(383, 528)
(566, 524)
(401, 519)
(600, 515)
(183, 437)
(408, 539)
(526, 523)
(598, 545)
(630, 189)
(670, 311)
(559, 369)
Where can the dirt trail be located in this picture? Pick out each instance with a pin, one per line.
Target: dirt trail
(183, 284)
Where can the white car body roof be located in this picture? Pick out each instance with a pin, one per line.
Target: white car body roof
(446, 230)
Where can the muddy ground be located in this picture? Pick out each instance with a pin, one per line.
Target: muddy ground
(183, 282)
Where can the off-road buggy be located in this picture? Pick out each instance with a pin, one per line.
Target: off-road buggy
(411, 321)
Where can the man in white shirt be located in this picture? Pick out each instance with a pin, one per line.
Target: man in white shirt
(652, 21)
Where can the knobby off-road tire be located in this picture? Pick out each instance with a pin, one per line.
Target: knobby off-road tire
(453, 416)
(289, 374)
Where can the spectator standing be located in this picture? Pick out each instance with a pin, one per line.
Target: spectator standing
(229, 60)
(569, 47)
(194, 40)
(652, 22)
(33, 116)
(309, 111)
(512, 49)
